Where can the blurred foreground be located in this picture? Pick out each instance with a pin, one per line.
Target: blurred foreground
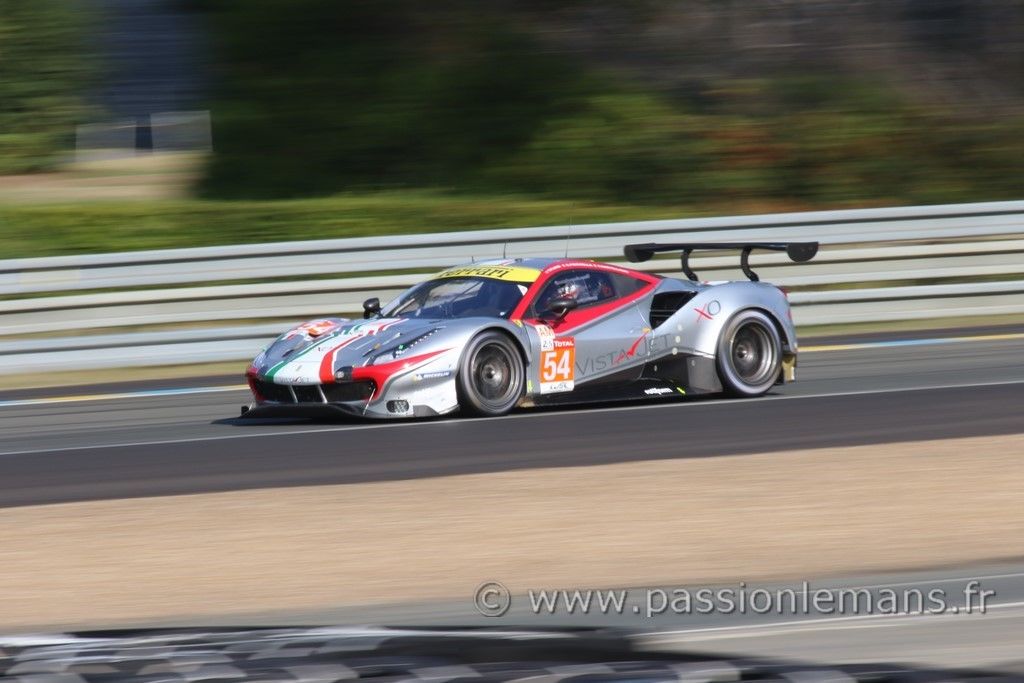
(322, 655)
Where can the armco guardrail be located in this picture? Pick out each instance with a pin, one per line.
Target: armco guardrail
(875, 265)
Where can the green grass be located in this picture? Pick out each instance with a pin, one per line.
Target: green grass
(95, 227)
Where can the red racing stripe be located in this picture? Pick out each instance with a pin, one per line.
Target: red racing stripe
(327, 362)
(380, 374)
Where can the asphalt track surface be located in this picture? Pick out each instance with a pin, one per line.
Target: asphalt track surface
(95, 447)
(84, 444)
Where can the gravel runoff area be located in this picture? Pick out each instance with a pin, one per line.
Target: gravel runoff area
(796, 515)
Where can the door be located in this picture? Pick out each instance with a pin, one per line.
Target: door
(602, 340)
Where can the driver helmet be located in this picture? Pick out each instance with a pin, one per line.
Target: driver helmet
(568, 290)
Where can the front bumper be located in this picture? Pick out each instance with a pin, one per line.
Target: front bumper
(335, 392)
(328, 411)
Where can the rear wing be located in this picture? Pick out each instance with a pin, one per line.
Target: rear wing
(798, 252)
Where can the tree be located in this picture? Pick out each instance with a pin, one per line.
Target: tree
(43, 76)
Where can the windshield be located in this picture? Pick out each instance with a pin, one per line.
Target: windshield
(457, 297)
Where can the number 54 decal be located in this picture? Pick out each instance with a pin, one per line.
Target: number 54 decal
(558, 366)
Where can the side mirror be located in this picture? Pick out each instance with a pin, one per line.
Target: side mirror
(561, 305)
(371, 307)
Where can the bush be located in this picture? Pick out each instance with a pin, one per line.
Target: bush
(616, 146)
(325, 95)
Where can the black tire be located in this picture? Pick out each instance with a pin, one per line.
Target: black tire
(491, 375)
(749, 355)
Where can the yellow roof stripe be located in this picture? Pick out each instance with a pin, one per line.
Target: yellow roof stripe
(508, 273)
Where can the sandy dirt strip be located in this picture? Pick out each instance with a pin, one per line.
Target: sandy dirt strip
(798, 515)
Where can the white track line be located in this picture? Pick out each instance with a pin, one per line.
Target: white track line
(151, 393)
(816, 624)
(518, 416)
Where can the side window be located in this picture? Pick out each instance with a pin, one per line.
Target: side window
(587, 287)
(626, 285)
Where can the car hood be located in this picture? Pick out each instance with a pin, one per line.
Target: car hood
(315, 351)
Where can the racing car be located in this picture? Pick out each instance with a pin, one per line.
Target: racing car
(488, 337)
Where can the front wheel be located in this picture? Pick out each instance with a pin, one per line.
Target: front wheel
(491, 375)
(749, 354)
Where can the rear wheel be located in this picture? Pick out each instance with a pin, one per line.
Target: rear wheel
(749, 354)
(491, 375)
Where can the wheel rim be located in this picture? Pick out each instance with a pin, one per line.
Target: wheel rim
(753, 354)
(493, 374)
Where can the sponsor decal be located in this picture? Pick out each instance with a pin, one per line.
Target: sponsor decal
(547, 337)
(496, 272)
(292, 379)
(437, 374)
(640, 350)
(657, 391)
(313, 329)
(556, 387)
(558, 366)
(708, 311)
(594, 265)
(631, 351)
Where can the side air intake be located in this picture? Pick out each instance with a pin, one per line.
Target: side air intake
(666, 304)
